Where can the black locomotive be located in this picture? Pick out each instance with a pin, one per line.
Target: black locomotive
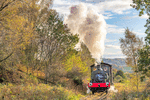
(101, 78)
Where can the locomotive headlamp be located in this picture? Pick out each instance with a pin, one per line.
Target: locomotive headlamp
(107, 83)
(90, 84)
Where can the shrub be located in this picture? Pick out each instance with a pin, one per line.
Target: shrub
(118, 79)
(38, 92)
(121, 73)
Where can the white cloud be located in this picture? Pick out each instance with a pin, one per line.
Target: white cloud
(110, 53)
(112, 46)
(107, 40)
(134, 13)
(128, 17)
(139, 33)
(127, 12)
(116, 6)
(62, 6)
(113, 55)
(108, 15)
(114, 29)
(145, 16)
(96, 1)
(109, 25)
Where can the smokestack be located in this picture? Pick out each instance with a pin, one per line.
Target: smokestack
(91, 28)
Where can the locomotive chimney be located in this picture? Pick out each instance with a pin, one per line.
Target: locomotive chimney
(99, 67)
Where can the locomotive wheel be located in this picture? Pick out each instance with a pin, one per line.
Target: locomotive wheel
(92, 92)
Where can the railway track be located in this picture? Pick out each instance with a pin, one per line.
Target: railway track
(97, 96)
(103, 96)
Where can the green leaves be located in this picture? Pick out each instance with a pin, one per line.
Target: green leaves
(121, 73)
(144, 60)
(142, 78)
(56, 35)
(143, 7)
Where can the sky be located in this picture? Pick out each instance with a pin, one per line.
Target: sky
(118, 15)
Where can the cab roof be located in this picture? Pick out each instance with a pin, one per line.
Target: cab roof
(103, 64)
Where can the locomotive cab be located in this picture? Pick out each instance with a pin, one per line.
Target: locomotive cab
(101, 78)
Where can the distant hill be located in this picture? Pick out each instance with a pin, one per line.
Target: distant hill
(118, 63)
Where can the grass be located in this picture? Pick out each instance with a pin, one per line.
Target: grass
(128, 91)
(29, 88)
(36, 92)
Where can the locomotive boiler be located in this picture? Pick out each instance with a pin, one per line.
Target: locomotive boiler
(101, 78)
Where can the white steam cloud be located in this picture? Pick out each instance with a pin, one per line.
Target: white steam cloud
(112, 88)
(91, 28)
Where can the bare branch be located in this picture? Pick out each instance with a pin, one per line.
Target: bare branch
(4, 6)
(6, 57)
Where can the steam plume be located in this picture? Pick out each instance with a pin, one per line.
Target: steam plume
(91, 28)
(112, 88)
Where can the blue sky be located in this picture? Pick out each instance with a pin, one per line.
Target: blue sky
(118, 15)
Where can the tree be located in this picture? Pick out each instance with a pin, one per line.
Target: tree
(77, 63)
(75, 66)
(86, 55)
(18, 35)
(118, 79)
(144, 54)
(4, 4)
(121, 73)
(130, 46)
(17, 21)
(144, 62)
(144, 7)
(54, 40)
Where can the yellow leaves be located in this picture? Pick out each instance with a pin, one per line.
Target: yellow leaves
(5, 86)
(13, 97)
(33, 72)
(88, 79)
(16, 24)
(18, 33)
(10, 92)
(135, 80)
(75, 62)
(43, 91)
(10, 85)
(130, 84)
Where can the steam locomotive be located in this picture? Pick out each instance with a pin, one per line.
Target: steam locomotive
(101, 78)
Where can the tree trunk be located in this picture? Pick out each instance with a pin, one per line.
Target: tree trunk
(46, 73)
(137, 77)
(137, 85)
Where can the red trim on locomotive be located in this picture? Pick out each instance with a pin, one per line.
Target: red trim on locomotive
(98, 85)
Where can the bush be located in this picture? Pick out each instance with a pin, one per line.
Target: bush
(121, 73)
(39, 92)
(118, 79)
